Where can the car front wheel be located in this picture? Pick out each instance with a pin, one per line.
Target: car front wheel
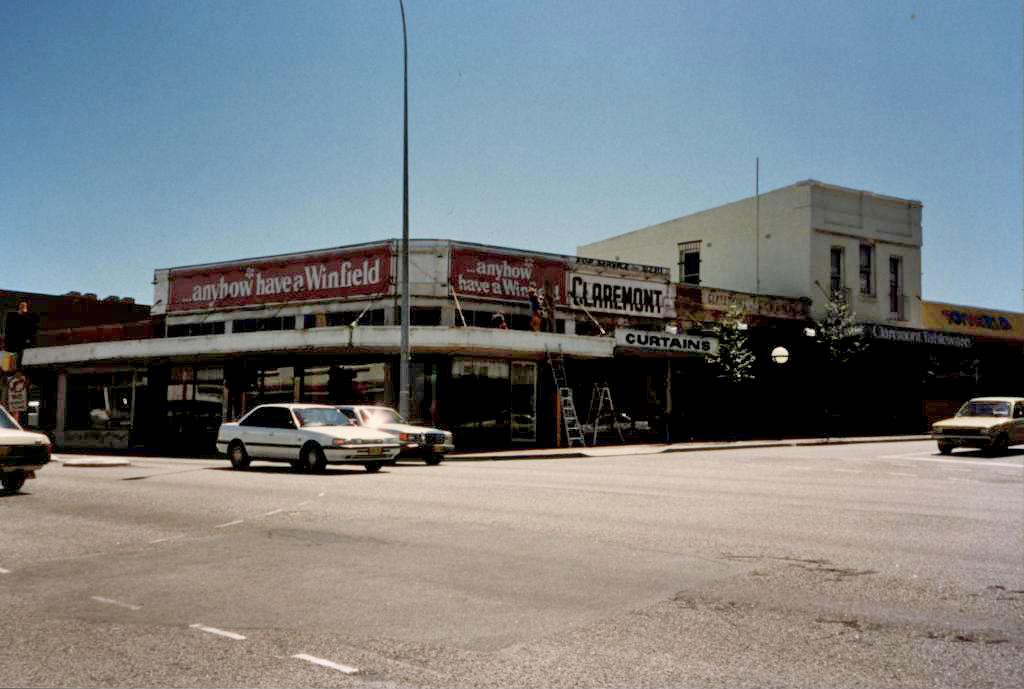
(999, 446)
(12, 481)
(237, 455)
(945, 447)
(433, 460)
(314, 458)
(373, 467)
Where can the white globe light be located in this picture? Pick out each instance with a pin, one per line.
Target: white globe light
(780, 355)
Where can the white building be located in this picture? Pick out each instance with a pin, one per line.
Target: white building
(809, 240)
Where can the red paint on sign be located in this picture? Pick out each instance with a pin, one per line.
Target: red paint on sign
(505, 277)
(328, 275)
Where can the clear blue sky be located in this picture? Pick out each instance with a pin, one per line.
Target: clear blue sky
(141, 134)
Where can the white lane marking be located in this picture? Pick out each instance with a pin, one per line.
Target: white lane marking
(267, 514)
(900, 473)
(951, 460)
(348, 670)
(169, 538)
(304, 502)
(218, 632)
(111, 601)
(849, 471)
(4, 571)
(237, 521)
(321, 495)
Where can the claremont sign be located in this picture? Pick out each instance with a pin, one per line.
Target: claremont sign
(338, 274)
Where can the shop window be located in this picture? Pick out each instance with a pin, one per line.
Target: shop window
(368, 383)
(336, 319)
(420, 315)
(99, 401)
(479, 406)
(275, 384)
(897, 302)
(523, 419)
(195, 329)
(425, 315)
(195, 403)
(253, 325)
(689, 262)
(836, 282)
(867, 266)
(477, 319)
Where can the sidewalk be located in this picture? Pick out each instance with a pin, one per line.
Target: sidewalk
(84, 459)
(655, 449)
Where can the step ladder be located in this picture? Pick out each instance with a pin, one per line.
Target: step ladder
(570, 421)
(601, 408)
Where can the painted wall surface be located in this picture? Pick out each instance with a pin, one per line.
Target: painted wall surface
(740, 241)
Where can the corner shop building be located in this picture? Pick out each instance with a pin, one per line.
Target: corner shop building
(324, 326)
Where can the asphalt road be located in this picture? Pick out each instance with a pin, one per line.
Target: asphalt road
(882, 565)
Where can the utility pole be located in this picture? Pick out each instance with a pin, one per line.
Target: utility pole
(403, 375)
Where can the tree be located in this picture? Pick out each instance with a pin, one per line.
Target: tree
(838, 335)
(734, 360)
(840, 341)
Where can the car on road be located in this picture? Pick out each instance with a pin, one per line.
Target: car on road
(428, 444)
(989, 423)
(308, 436)
(22, 453)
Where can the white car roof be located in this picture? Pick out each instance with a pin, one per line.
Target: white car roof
(296, 405)
(997, 399)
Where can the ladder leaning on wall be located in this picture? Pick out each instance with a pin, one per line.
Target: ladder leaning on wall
(570, 421)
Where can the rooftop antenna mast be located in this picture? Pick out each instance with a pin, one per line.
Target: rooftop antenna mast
(757, 225)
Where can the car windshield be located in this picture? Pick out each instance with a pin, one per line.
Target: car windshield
(378, 416)
(7, 422)
(983, 408)
(316, 416)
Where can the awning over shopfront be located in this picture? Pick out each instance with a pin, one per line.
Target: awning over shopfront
(464, 341)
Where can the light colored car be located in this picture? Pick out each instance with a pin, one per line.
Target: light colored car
(989, 423)
(429, 444)
(22, 453)
(308, 436)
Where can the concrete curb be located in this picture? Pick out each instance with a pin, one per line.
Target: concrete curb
(608, 450)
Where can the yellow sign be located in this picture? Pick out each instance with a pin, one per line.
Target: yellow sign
(969, 320)
(8, 362)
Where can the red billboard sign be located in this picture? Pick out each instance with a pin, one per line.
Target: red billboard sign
(505, 276)
(325, 275)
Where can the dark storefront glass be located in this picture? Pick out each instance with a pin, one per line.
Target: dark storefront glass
(524, 402)
(478, 407)
(358, 383)
(195, 406)
(99, 401)
(275, 384)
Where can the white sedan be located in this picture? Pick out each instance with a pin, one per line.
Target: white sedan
(308, 436)
(21, 453)
(429, 444)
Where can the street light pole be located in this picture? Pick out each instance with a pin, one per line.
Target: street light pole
(403, 376)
